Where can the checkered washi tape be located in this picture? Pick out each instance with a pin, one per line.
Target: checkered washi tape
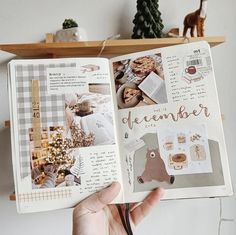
(43, 196)
(52, 106)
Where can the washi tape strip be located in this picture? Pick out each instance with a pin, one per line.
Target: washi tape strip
(36, 120)
(45, 196)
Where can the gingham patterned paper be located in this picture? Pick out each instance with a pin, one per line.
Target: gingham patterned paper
(52, 106)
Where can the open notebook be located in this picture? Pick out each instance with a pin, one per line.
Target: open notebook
(147, 119)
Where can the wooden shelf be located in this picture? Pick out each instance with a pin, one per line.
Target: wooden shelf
(7, 123)
(92, 48)
(12, 197)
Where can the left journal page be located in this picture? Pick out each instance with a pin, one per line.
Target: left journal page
(64, 141)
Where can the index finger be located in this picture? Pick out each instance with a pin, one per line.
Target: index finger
(99, 200)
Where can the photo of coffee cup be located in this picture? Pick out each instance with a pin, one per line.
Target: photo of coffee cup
(181, 137)
(84, 108)
(121, 77)
(169, 143)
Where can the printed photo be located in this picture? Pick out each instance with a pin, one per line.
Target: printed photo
(54, 150)
(53, 164)
(89, 117)
(140, 81)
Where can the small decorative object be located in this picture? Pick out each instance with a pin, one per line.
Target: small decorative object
(147, 20)
(196, 19)
(70, 32)
(155, 169)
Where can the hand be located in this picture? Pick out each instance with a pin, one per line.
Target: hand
(95, 216)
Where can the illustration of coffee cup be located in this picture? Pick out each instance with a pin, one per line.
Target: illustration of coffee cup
(178, 161)
(191, 70)
(169, 143)
(181, 138)
(69, 180)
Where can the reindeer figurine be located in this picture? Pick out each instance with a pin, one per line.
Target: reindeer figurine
(196, 20)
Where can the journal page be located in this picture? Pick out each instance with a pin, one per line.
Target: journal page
(64, 136)
(170, 131)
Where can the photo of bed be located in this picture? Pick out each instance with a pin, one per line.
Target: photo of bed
(140, 81)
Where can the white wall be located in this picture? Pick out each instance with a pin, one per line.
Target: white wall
(23, 21)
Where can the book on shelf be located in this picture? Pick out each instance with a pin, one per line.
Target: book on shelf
(148, 119)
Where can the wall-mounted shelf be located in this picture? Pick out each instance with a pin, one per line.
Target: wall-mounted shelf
(92, 48)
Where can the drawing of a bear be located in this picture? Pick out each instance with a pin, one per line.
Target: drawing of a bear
(155, 169)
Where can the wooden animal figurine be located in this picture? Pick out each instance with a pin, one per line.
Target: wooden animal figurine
(155, 169)
(196, 20)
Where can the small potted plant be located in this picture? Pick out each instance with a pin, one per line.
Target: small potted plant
(70, 32)
(69, 23)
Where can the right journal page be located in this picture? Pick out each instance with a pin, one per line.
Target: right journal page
(170, 133)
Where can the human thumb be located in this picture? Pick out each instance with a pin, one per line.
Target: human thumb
(99, 200)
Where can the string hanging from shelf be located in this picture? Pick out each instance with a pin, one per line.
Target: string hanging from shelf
(104, 43)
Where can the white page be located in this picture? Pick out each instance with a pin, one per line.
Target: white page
(188, 104)
(151, 85)
(82, 114)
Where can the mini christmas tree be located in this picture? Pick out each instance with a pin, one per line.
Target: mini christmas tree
(147, 20)
(59, 150)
